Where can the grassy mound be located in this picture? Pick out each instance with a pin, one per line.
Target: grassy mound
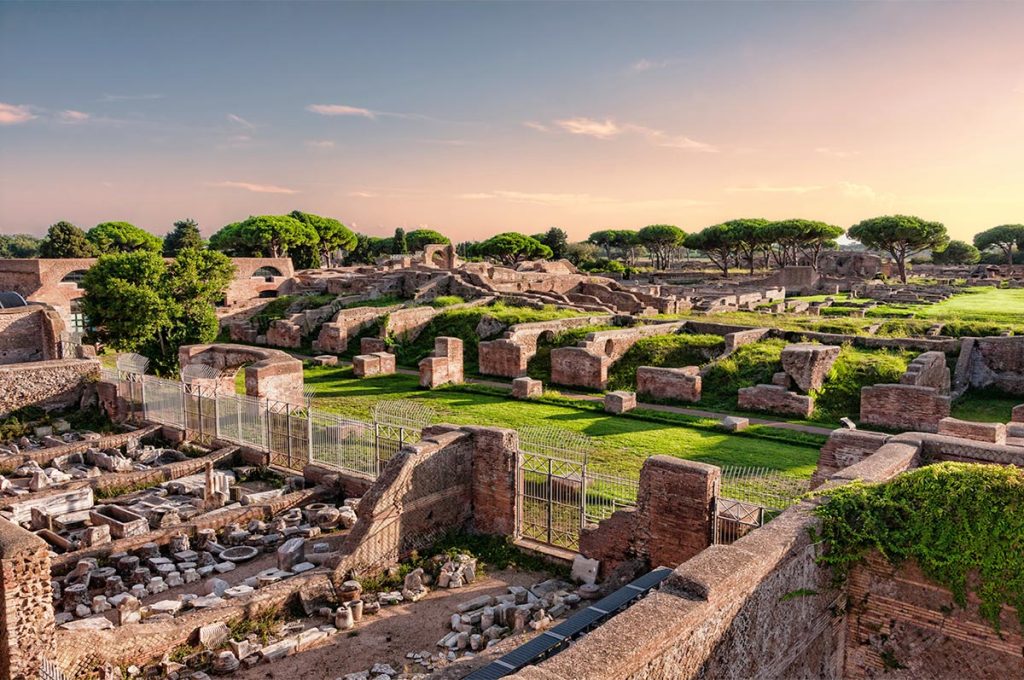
(962, 523)
(671, 351)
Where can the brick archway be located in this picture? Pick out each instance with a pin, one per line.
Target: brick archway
(269, 373)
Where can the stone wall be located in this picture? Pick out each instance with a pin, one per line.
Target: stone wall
(509, 355)
(30, 333)
(26, 607)
(903, 407)
(269, 373)
(928, 370)
(586, 365)
(48, 384)
(672, 522)
(898, 616)
(995, 362)
(678, 384)
(444, 366)
(335, 334)
(843, 449)
(774, 399)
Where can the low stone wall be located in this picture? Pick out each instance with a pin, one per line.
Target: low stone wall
(48, 384)
(678, 384)
(672, 522)
(928, 370)
(586, 365)
(335, 334)
(903, 407)
(269, 373)
(26, 603)
(993, 433)
(509, 355)
(29, 333)
(843, 449)
(774, 399)
(444, 366)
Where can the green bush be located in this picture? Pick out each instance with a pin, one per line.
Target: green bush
(446, 301)
(673, 351)
(962, 523)
(854, 369)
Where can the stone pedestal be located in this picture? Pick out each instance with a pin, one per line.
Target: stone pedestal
(526, 388)
(620, 401)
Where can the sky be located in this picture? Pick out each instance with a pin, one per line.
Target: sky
(477, 118)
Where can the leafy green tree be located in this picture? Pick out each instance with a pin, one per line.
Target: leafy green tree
(603, 239)
(556, 239)
(137, 302)
(64, 239)
(902, 236)
(512, 247)
(19, 246)
(661, 240)
(264, 236)
(751, 237)
(399, 244)
(801, 237)
(418, 238)
(718, 242)
(1003, 237)
(581, 254)
(184, 235)
(228, 240)
(629, 245)
(368, 249)
(957, 252)
(122, 237)
(333, 236)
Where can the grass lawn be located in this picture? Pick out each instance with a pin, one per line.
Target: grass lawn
(624, 443)
(980, 304)
(985, 407)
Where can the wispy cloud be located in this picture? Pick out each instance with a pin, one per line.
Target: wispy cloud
(852, 190)
(772, 189)
(238, 120)
(341, 110)
(363, 194)
(130, 97)
(642, 65)
(569, 200)
(320, 143)
(12, 114)
(610, 129)
(255, 188)
(72, 116)
(836, 153)
(534, 125)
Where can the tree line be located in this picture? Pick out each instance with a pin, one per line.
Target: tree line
(751, 243)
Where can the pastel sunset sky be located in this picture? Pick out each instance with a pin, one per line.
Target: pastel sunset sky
(479, 118)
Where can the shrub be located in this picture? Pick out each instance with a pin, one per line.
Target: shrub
(673, 351)
(962, 523)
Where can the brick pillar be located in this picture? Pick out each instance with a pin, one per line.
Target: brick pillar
(676, 508)
(494, 480)
(26, 608)
(451, 349)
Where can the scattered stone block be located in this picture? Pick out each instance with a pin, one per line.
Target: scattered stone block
(585, 570)
(735, 423)
(325, 360)
(775, 399)
(992, 433)
(527, 388)
(680, 384)
(809, 364)
(620, 401)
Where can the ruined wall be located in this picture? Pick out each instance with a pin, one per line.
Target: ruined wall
(586, 365)
(991, 363)
(26, 608)
(273, 375)
(494, 480)
(843, 449)
(898, 617)
(680, 384)
(509, 355)
(335, 334)
(672, 522)
(49, 384)
(423, 491)
(29, 333)
(928, 370)
(903, 407)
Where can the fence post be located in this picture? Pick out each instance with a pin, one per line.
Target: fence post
(309, 433)
(376, 448)
(238, 417)
(216, 414)
(266, 416)
(199, 410)
(550, 500)
(142, 396)
(288, 432)
(583, 497)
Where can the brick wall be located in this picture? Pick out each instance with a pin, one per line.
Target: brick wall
(29, 333)
(928, 370)
(508, 356)
(586, 365)
(679, 384)
(50, 384)
(845, 448)
(992, 363)
(903, 407)
(26, 608)
(898, 616)
(494, 480)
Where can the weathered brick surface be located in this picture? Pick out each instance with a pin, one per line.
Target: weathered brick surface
(26, 607)
(372, 345)
(808, 364)
(679, 384)
(335, 334)
(29, 333)
(928, 370)
(527, 388)
(509, 355)
(844, 448)
(494, 480)
(586, 365)
(775, 399)
(903, 407)
(269, 373)
(994, 433)
(51, 384)
(445, 366)
(619, 401)
(1017, 416)
(993, 362)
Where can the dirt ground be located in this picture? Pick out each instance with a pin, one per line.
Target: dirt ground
(387, 637)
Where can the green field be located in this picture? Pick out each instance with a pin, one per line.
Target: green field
(623, 443)
(980, 304)
(985, 407)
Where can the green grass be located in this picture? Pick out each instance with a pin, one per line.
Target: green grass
(623, 443)
(985, 304)
(446, 301)
(985, 406)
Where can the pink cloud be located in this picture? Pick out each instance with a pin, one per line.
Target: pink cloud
(340, 110)
(255, 188)
(12, 114)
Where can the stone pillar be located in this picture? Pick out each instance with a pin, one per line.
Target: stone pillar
(26, 608)
(494, 480)
(676, 504)
(451, 349)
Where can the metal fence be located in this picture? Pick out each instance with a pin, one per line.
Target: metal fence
(557, 494)
(293, 434)
(749, 497)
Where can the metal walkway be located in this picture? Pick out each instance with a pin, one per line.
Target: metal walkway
(552, 641)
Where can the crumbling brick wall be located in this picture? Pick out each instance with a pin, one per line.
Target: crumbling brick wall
(26, 607)
(509, 355)
(586, 365)
(991, 363)
(843, 449)
(903, 407)
(59, 383)
(30, 333)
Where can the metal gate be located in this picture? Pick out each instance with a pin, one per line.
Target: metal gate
(750, 497)
(556, 494)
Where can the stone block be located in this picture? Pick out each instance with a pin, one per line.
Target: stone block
(527, 388)
(365, 365)
(808, 364)
(993, 433)
(678, 384)
(433, 372)
(584, 570)
(619, 401)
(735, 423)
(372, 345)
(782, 379)
(325, 360)
(387, 363)
(775, 399)
(1017, 415)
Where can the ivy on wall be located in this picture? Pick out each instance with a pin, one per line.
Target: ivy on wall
(963, 523)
